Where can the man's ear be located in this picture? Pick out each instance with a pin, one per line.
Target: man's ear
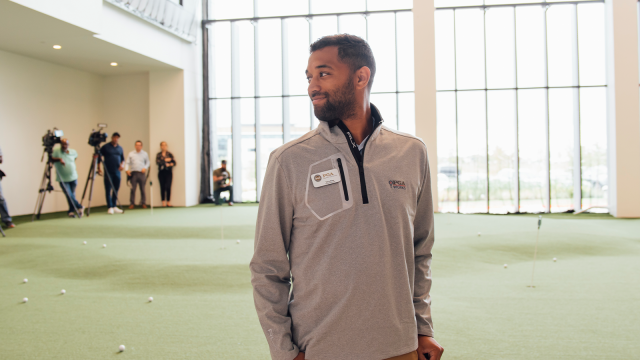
(363, 75)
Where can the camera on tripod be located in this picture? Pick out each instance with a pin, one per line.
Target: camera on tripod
(97, 137)
(51, 138)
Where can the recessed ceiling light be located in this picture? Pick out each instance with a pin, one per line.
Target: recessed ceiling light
(114, 64)
(57, 47)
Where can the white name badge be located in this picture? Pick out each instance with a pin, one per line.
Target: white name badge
(326, 178)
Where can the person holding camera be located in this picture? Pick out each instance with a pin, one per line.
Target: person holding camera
(4, 210)
(222, 182)
(113, 164)
(165, 162)
(64, 159)
(136, 168)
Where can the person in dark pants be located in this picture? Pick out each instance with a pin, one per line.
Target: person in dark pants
(165, 162)
(222, 182)
(137, 166)
(113, 164)
(66, 174)
(4, 210)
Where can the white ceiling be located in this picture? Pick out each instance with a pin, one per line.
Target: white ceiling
(30, 33)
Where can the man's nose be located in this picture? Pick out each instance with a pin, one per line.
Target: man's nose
(314, 87)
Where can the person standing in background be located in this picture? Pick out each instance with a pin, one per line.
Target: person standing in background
(222, 182)
(65, 162)
(4, 210)
(113, 164)
(165, 162)
(136, 168)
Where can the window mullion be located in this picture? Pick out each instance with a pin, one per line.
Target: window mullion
(455, 80)
(286, 116)
(256, 82)
(486, 105)
(577, 156)
(516, 177)
(547, 157)
(236, 118)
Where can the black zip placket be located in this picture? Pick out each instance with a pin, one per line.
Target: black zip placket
(356, 153)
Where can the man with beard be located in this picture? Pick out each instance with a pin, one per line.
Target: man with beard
(353, 234)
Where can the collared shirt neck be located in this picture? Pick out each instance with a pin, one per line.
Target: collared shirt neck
(333, 134)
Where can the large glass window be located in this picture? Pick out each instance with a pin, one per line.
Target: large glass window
(521, 99)
(258, 51)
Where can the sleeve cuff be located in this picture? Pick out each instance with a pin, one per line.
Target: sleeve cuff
(288, 355)
(425, 330)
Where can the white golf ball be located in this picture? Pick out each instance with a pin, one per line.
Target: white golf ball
(554, 259)
(104, 245)
(121, 348)
(238, 241)
(505, 266)
(479, 233)
(150, 298)
(84, 243)
(25, 300)
(63, 291)
(25, 281)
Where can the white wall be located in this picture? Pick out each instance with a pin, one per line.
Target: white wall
(425, 80)
(130, 32)
(167, 124)
(81, 13)
(623, 123)
(36, 96)
(125, 109)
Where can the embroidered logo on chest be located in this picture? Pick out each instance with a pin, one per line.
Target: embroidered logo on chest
(397, 184)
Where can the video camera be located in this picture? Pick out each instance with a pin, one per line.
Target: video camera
(51, 138)
(97, 137)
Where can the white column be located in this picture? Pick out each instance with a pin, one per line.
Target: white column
(623, 123)
(425, 80)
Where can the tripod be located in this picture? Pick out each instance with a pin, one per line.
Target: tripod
(93, 170)
(45, 186)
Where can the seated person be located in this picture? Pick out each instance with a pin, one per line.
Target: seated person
(222, 182)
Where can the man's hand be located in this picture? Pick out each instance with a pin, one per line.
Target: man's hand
(128, 173)
(144, 170)
(429, 345)
(99, 171)
(62, 162)
(121, 168)
(300, 356)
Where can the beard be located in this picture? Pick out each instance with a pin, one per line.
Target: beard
(338, 105)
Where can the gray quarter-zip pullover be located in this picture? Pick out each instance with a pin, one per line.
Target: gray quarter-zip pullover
(357, 251)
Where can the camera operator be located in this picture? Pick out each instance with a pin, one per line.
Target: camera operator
(4, 210)
(64, 159)
(113, 164)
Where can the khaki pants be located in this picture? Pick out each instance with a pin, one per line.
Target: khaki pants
(410, 356)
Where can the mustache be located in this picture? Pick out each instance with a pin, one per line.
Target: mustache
(319, 94)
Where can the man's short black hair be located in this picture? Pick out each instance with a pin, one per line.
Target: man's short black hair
(139, 142)
(352, 50)
(115, 134)
(223, 162)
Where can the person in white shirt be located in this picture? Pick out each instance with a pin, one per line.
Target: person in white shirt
(137, 166)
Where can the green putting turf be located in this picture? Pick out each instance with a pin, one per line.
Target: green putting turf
(584, 306)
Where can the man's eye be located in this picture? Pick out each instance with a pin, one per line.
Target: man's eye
(323, 74)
